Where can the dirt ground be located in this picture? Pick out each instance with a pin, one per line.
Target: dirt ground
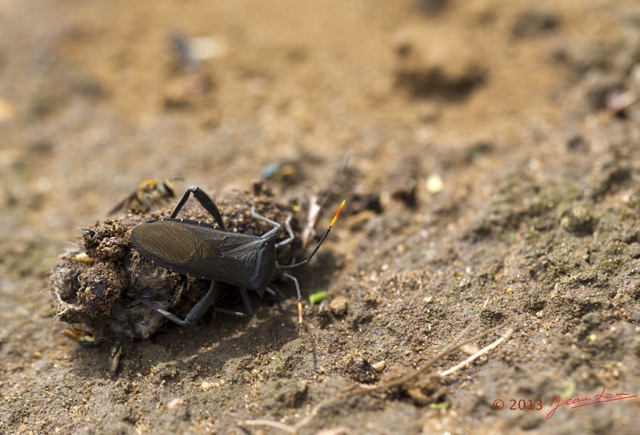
(494, 153)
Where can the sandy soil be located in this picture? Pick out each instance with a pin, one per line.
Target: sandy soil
(494, 156)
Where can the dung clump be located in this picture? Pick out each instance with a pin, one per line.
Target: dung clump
(97, 288)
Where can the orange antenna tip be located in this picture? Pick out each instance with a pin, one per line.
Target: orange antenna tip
(335, 218)
(300, 312)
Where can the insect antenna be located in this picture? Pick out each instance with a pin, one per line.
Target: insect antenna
(324, 236)
(303, 262)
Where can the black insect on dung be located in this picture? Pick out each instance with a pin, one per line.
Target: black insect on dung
(192, 248)
(98, 288)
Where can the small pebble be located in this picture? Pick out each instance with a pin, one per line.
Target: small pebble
(435, 184)
(418, 396)
(379, 366)
(206, 385)
(178, 401)
(338, 306)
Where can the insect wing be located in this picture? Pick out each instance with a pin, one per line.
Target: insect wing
(237, 261)
(171, 244)
(197, 250)
(230, 245)
(123, 205)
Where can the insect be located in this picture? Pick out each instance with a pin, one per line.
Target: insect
(80, 336)
(287, 173)
(199, 250)
(98, 285)
(86, 339)
(149, 193)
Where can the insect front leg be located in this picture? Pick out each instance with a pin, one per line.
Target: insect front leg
(275, 229)
(291, 238)
(205, 201)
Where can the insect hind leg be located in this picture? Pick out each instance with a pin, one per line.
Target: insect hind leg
(205, 201)
(196, 312)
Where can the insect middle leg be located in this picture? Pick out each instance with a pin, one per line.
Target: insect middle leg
(196, 312)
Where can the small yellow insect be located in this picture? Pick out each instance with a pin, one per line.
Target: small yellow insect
(81, 336)
(149, 193)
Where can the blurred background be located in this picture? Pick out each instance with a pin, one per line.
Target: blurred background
(96, 96)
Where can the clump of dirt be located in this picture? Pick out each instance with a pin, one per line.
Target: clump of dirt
(98, 289)
(425, 68)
